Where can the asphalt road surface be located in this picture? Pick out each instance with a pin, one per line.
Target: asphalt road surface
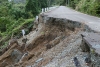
(65, 12)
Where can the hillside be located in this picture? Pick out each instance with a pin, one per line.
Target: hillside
(54, 39)
(17, 16)
(51, 44)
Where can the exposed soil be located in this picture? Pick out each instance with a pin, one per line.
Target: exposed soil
(50, 48)
(49, 45)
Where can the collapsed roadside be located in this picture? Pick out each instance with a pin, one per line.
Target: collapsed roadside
(53, 43)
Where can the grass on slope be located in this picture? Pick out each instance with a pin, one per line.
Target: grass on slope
(28, 23)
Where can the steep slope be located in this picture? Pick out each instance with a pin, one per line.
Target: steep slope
(54, 42)
(45, 46)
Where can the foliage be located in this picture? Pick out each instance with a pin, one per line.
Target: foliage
(3, 22)
(12, 18)
(16, 28)
(16, 16)
(35, 6)
(91, 7)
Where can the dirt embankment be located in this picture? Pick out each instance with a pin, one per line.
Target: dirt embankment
(48, 33)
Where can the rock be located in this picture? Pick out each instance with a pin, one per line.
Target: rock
(28, 66)
(48, 46)
(87, 60)
(23, 57)
(77, 64)
(84, 47)
(24, 40)
(16, 55)
(95, 59)
(10, 66)
(12, 41)
(3, 64)
(40, 59)
(0, 53)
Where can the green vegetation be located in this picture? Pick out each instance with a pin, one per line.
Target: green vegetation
(12, 17)
(17, 16)
(34, 6)
(91, 7)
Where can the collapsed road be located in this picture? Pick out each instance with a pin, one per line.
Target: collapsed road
(54, 42)
(67, 13)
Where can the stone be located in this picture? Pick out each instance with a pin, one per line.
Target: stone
(3, 64)
(16, 55)
(23, 57)
(87, 60)
(24, 40)
(95, 58)
(77, 64)
(40, 59)
(0, 53)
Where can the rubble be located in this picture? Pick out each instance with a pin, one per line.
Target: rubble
(91, 44)
(16, 56)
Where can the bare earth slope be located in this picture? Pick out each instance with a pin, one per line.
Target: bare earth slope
(54, 42)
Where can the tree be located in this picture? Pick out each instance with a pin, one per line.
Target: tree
(33, 6)
(43, 3)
